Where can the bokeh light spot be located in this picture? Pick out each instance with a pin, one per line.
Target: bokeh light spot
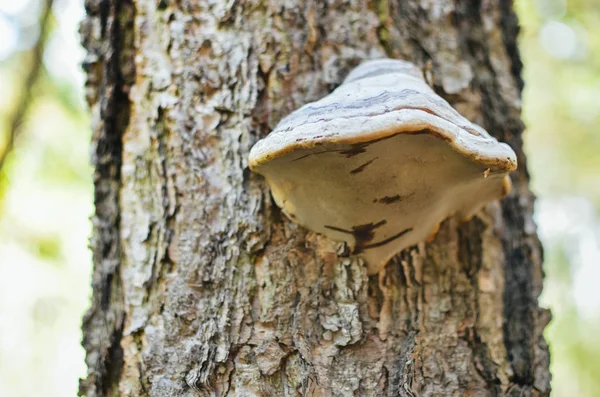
(8, 37)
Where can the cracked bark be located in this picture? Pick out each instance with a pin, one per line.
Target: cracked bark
(202, 287)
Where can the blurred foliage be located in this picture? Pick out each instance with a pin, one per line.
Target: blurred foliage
(45, 202)
(46, 193)
(560, 46)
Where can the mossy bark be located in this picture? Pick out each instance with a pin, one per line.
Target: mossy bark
(202, 287)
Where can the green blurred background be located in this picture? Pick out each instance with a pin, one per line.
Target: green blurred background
(46, 191)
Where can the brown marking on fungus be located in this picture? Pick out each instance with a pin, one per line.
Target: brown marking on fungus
(392, 199)
(365, 233)
(388, 199)
(387, 240)
(356, 149)
(361, 168)
(315, 153)
(302, 157)
(434, 133)
(338, 229)
(362, 234)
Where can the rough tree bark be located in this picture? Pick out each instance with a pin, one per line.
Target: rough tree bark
(202, 287)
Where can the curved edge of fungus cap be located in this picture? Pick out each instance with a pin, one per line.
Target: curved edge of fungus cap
(380, 162)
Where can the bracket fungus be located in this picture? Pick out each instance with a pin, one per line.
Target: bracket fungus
(380, 162)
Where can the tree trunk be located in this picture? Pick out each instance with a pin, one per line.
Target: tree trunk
(202, 287)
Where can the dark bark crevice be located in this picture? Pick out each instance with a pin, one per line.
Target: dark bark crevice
(521, 268)
(110, 73)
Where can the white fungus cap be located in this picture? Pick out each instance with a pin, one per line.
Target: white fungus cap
(380, 162)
